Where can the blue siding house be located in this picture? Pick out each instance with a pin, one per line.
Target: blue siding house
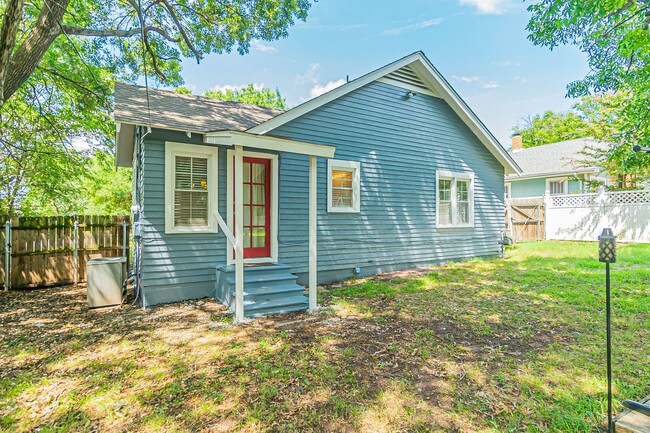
(389, 171)
(558, 168)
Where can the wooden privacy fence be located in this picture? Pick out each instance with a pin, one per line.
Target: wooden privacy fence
(525, 219)
(48, 251)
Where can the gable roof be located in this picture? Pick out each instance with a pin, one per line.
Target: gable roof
(171, 110)
(414, 72)
(560, 158)
(190, 113)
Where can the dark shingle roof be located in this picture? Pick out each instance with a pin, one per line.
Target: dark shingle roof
(181, 112)
(555, 158)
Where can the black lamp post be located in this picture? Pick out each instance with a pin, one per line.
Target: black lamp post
(607, 255)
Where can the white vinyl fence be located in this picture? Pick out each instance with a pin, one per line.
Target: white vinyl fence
(582, 217)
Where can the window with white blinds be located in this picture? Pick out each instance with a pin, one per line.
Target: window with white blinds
(343, 186)
(190, 191)
(190, 188)
(454, 199)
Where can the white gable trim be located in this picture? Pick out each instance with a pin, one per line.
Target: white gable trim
(441, 86)
(430, 75)
(323, 99)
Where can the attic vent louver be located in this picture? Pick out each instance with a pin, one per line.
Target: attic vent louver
(406, 75)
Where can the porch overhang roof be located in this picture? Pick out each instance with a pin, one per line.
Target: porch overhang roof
(266, 142)
(568, 173)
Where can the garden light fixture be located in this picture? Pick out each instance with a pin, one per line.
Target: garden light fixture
(607, 255)
(607, 246)
(638, 148)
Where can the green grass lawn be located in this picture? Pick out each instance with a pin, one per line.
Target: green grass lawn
(502, 345)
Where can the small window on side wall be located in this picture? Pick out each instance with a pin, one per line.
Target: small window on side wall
(454, 199)
(343, 186)
(190, 188)
(557, 186)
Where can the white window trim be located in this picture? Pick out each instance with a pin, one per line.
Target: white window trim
(507, 191)
(172, 150)
(274, 206)
(453, 176)
(355, 166)
(565, 184)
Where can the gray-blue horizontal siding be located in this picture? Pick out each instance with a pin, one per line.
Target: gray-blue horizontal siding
(400, 143)
(176, 266)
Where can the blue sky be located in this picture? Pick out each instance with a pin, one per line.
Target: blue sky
(480, 46)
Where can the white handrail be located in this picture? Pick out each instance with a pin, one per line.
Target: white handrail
(225, 228)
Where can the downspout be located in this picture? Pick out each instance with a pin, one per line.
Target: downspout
(137, 210)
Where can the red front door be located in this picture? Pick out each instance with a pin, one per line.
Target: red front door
(257, 207)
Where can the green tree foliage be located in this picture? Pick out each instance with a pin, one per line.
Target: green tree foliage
(596, 116)
(183, 90)
(615, 36)
(107, 190)
(248, 94)
(552, 127)
(58, 62)
(603, 112)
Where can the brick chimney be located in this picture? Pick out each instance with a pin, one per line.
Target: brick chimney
(517, 143)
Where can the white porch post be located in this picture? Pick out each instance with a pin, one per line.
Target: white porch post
(239, 234)
(313, 233)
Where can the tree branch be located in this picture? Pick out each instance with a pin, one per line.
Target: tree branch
(182, 31)
(145, 41)
(644, 11)
(74, 82)
(81, 31)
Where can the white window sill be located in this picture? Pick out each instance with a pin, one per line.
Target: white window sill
(457, 226)
(190, 230)
(343, 210)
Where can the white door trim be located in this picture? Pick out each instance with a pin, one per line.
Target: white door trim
(274, 206)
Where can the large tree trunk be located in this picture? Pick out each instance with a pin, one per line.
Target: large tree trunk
(10, 23)
(31, 51)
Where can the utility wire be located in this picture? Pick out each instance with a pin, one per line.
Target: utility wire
(144, 59)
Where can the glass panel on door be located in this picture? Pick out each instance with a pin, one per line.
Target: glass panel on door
(256, 203)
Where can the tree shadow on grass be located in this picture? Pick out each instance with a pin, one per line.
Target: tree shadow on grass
(465, 347)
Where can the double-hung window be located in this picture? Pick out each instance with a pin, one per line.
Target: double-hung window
(343, 186)
(190, 188)
(557, 186)
(454, 199)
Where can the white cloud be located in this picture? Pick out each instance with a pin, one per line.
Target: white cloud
(262, 48)
(232, 87)
(521, 80)
(354, 27)
(490, 7)
(505, 63)
(311, 75)
(318, 89)
(417, 26)
(465, 78)
(478, 80)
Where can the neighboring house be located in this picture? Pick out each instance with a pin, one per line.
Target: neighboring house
(389, 171)
(554, 167)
